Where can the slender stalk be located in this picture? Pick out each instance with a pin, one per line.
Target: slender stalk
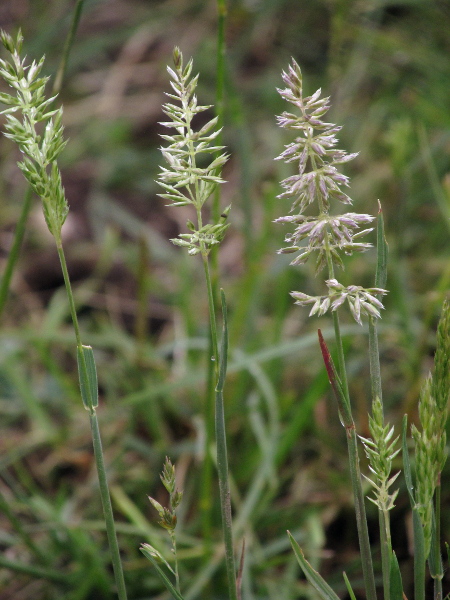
(439, 574)
(222, 460)
(380, 282)
(73, 310)
(221, 442)
(211, 379)
(355, 474)
(386, 551)
(360, 511)
(219, 110)
(212, 316)
(68, 46)
(107, 507)
(383, 515)
(213, 257)
(15, 249)
(206, 494)
(355, 471)
(173, 538)
(377, 393)
(96, 439)
(219, 106)
(419, 544)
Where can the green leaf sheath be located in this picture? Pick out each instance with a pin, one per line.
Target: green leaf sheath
(87, 373)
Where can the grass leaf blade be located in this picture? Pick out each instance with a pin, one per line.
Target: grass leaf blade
(348, 585)
(170, 587)
(382, 252)
(224, 345)
(316, 580)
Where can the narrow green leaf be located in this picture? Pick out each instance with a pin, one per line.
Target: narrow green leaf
(419, 557)
(170, 588)
(395, 577)
(316, 580)
(87, 374)
(382, 252)
(224, 345)
(350, 591)
(407, 463)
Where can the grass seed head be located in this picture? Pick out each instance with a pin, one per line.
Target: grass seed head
(319, 183)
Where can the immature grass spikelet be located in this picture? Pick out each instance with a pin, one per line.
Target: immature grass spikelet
(185, 181)
(167, 517)
(380, 450)
(430, 442)
(319, 182)
(40, 145)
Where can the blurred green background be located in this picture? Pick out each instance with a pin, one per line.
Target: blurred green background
(142, 302)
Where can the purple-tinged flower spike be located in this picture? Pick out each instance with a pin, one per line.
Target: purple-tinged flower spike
(318, 182)
(338, 229)
(360, 300)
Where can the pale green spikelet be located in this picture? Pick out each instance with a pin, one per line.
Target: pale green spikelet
(430, 442)
(380, 451)
(427, 451)
(441, 376)
(37, 130)
(167, 517)
(187, 179)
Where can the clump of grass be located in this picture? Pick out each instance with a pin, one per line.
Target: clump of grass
(192, 177)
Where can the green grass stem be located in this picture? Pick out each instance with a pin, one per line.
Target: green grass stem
(386, 551)
(62, 67)
(380, 282)
(96, 439)
(222, 461)
(346, 417)
(107, 507)
(377, 392)
(436, 566)
(207, 471)
(419, 543)
(219, 104)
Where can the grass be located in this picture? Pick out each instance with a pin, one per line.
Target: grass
(152, 385)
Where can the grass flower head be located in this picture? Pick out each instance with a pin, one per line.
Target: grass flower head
(194, 162)
(37, 130)
(319, 183)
